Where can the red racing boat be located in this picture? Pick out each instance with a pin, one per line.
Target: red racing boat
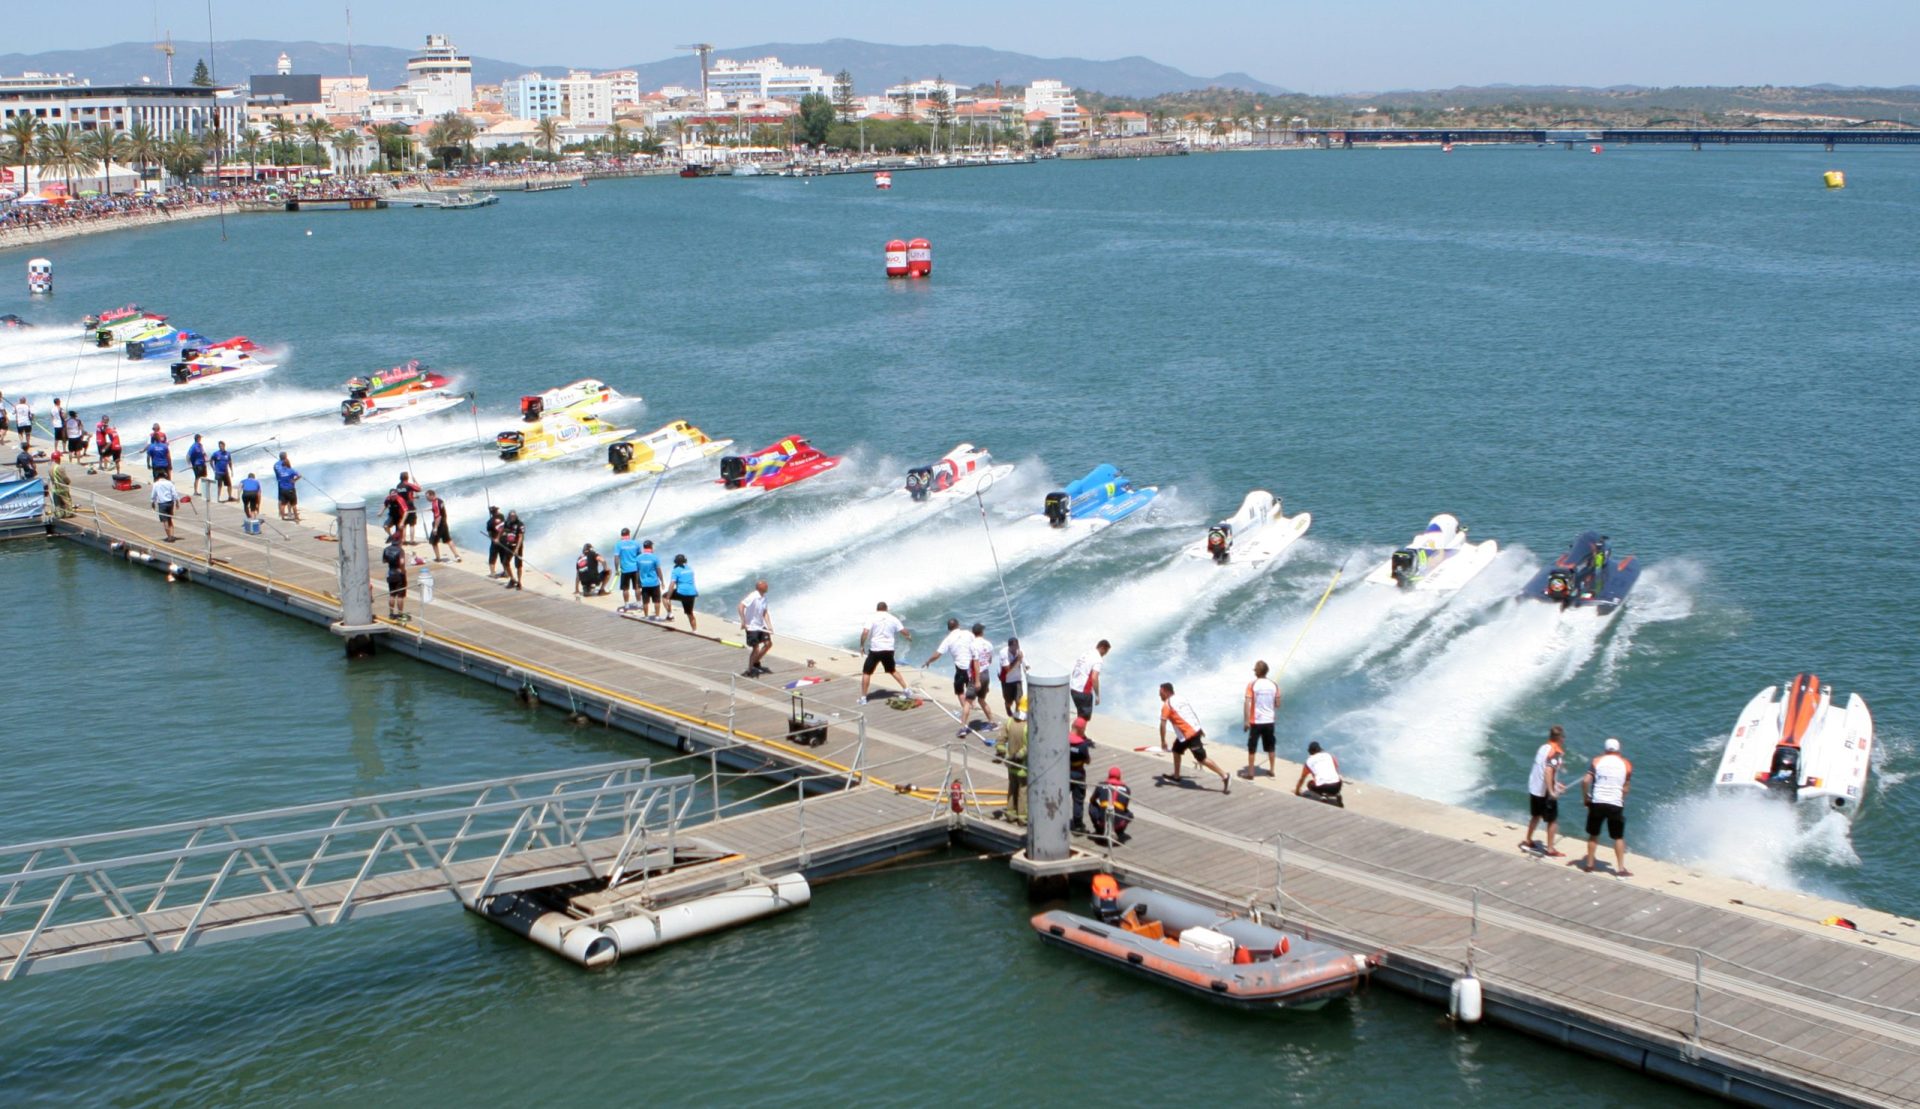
(790, 460)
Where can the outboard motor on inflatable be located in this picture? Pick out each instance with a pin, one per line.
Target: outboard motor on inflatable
(352, 409)
(620, 457)
(1220, 542)
(1560, 587)
(733, 471)
(1405, 562)
(919, 482)
(1106, 898)
(510, 444)
(1057, 509)
(531, 408)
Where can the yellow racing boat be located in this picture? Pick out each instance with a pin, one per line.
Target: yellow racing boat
(656, 452)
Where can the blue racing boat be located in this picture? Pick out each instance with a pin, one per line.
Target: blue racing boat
(171, 341)
(1103, 497)
(1587, 575)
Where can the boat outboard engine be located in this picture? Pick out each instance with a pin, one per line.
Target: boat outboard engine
(1403, 566)
(1560, 587)
(919, 482)
(182, 373)
(531, 408)
(620, 457)
(352, 409)
(510, 444)
(1057, 509)
(1784, 774)
(1220, 542)
(1106, 898)
(91, 323)
(733, 471)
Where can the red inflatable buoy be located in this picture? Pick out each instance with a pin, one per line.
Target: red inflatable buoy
(896, 258)
(919, 258)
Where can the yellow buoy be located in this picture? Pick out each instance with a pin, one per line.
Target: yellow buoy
(1835, 179)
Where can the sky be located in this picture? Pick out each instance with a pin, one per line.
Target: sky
(1360, 45)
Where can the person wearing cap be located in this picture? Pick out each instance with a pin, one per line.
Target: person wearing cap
(1010, 750)
(1604, 789)
(1111, 807)
(680, 584)
(1079, 754)
(590, 572)
(1320, 776)
(1543, 793)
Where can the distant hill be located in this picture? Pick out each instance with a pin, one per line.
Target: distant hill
(233, 62)
(874, 65)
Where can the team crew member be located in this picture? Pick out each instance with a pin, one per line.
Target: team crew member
(1258, 709)
(1012, 665)
(164, 496)
(513, 549)
(496, 561)
(286, 479)
(590, 572)
(876, 641)
(222, 473)
(1320, 776)
(23, 423)
(651, 606)
(24, 463)
(1011, 750)
(1188, 734)
(1084, 684)
(1604, 787)
(958, 647)
(681, 585)
(982, 667)
(1079, 754)
(395, 556)
(437, 530)
(250, 498)
(409, 491)
(1111, 806)
(159, 454)
(757, 623)
(626, 558)
(197, 461)
(76, 435)
(1543, 792)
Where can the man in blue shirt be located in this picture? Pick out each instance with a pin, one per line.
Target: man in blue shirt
(159, 455)
(223, 472)
(250, 503)
(683, 588)
(651, 606)
(197, 458)
(284, 475)
(626, 555)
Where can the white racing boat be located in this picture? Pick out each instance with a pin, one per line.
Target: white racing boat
(408, 406)
(1252, 537)
(1441, 557)
(962, 472)
(1796, 744)
(236, 358)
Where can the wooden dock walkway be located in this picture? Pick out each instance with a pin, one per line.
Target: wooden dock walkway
(1715, 984)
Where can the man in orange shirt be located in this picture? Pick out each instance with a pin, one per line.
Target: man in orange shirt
(1190, 736)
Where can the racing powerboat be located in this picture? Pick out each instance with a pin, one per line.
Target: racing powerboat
(580, 398)
(1216, 955)
(556, 436)
(1101, 498)
(791, 460)
(95, 322)
(11, 322)
(1587, 575)
(1253, 536)
(1797, 745)
(233, 358)
(1441, 557)
(658, 451)
(114, 333)
(400, 393)
(169, 340)
(960, 473)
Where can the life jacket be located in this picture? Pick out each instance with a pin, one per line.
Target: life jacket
(1079, 753)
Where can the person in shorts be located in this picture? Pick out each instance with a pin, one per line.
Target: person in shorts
(649, 582)
(1604, 788)
(395, 556)
(286, 479)
(222, 459)
(437, 530)
(1258, 710)
(1543, 793)
(1190, 737)
(626, 559)
(982, 671)
(680, 585)
(164, 497)
(250, 497)
(756, 624)
(1084, 683)
(957, 647)
(1012, 669)
(877, 641)
(1320, 776)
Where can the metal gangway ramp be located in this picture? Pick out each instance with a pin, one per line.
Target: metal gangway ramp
(149, 891)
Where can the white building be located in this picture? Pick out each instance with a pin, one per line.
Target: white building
(163, 109)
(625, 85)
(1056, 99)
(923, 92)
(765, 78)
(440, 78)
(531, 96)
(579, 97)
(585, 98)
(34, 79)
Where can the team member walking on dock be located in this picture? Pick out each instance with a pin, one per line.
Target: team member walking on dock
(982, 664)
(876, 642)
(1604, 788)
(24, 463)
(159, 454)
(1188, 735)
(437, 530)
(287, 480)
(1084, 684)
(222, 473)
(958, 647)
(395, 556)
(650, 581)
(409, 492)
(1012, 664)
(23, 423)
(1320, 776)
(164, 496)
(1543, 792)
(495, 521)
(1258, 710)
(681, 585)
(109, 444)
(76, 435)
(513, 548)
(757, 624)
(197, 462)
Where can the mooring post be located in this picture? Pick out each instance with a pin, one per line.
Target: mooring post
(356, 589)
(1049, 710)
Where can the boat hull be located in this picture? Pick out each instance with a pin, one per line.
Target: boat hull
(1797, 744)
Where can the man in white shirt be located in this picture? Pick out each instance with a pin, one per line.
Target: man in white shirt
(164, 497)
(1258, 710)
(1084, 684)
(1012, 670)
(958, 647)
(1604, 788)
(1320, 776)
(877, 640)
(757, 623)
(1543, 793)
(982, 671)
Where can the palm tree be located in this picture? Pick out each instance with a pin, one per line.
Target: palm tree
(548, 133)
(59, 150)
(395, 142)
(345, 143)
(319, 130)
(282, 129)
(617, 138)
(183, 154)
(23, 134)
(143, 146)
(106, 146)
(251, 143)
